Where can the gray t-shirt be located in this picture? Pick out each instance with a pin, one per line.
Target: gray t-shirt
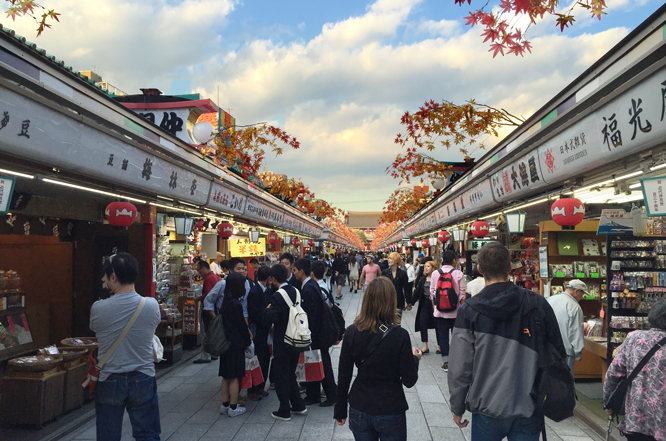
(108, 319)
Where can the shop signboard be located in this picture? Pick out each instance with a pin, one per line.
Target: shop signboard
(543, 262)
(247, 248)
(629, 123)
(6, 190)
(615, 222)
(226, 200)
(653, 195)
(521, 176)
(475, 245)
(44, 135)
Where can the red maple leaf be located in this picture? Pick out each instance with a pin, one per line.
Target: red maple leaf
(490, 34)
(472, 18)
(496, 48)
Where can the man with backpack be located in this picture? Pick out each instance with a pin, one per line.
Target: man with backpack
(323, 329)
(447, 291)
(285, 355)
(495, 355)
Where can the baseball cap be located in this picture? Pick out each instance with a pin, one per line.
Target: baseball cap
(420, 255)
(578, 284)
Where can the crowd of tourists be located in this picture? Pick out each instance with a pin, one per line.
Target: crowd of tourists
(490, 334)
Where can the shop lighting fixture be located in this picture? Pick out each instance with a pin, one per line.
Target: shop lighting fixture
(254, 235)
(183, 225)
(624, 198)
(459, 234)
(287, 240)
(176, 209)
(636, 185)
(526, 205)
(23, 175)
(582, 191)
(92, 190)
(657, 167)
(491, 215)
(515, 222)
(187, 203)
(165, 198)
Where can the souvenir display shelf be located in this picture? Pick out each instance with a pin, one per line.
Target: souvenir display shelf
(636, 279)
(15, 336)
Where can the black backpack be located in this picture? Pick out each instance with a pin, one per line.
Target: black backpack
(553, 391)
(329, 326)
(340, 320)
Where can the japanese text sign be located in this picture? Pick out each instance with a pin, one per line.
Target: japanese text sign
(653, 195)
(6, 190)
(247, 248)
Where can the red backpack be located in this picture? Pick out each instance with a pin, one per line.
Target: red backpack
(446, 298)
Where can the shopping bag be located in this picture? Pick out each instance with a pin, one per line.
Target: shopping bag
(89, 380)
(253, 375)
(269, 340)
(310, 366)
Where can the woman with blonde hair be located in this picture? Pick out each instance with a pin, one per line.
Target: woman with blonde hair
(386, 361)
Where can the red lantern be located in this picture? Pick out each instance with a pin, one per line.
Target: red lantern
(121, 214)
(225, 230)
(425, 243)
(272, 238)
(567, 212)
(480, 228)
(413, 242)
(311, 243)
(296, 242)
(443, 236)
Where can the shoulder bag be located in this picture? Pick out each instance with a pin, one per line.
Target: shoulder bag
(94, 368)
(382, 332)
(616, 399)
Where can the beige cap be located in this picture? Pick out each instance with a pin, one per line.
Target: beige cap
(578, 284)
(220, 255)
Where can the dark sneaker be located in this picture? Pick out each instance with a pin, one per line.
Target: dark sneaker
(327, 403)
(254, 397)
(310, 401)
(303, 411)
(281, 416)
(445, 366)
(262, 393)
(438, 351)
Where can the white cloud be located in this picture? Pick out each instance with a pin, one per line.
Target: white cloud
(441, 28)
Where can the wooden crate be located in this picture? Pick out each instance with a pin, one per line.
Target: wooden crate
(73, 392)
(32, 401)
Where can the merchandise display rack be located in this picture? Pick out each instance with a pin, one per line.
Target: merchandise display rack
(636, 279)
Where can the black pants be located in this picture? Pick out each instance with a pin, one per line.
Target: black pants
(444, 328)
(262, 353)
(328, 383)
(639, 437)
(286, 387)
(425, 316)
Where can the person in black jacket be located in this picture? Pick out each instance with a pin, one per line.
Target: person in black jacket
(285, 357)
(313, 302)
(400, 282)
(257, 300)
(232, 362)
(287, 260)
(424, 318)
(377, 402)
(340, 270)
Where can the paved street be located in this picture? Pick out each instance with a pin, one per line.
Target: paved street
(190, 401)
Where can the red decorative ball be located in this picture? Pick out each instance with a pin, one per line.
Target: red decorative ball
(443, 236)
(121, 214)
(480, 229)
(567, 212)
(425, 243)
(296, 242)
(413, 242)
(272, 238)
(225, 230)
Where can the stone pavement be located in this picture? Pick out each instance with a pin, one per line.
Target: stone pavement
(190, 400)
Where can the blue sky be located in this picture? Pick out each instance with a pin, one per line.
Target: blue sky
(337, 75)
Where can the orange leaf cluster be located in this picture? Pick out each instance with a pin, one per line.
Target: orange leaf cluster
(339, 227)
(504, 36)
(402, 205)
(381, 233)
(443, 124)
(20, 8)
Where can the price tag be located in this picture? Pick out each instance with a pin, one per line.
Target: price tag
(594, 275)
(559, 274)
(602, 313)
(580, 275)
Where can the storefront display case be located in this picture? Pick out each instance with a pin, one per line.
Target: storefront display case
(15, 336)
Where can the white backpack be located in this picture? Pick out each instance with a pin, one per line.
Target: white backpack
(298, 330)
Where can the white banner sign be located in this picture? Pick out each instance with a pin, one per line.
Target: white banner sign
(653, 195)
(6, 190)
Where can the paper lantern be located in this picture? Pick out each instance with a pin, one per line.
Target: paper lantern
(567, 212)
(272, 238)
(121, 214)
(225, 230)
(480, 229)
(413, 242)
(311, 243)
(425, 243)
(297, 242)
(443, 236)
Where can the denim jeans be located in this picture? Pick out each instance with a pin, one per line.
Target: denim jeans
(366, 427)
(485, 428)
(135, 392)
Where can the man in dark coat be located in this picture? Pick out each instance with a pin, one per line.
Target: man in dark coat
(285, 357)
(287, 260)
(257, 300)
(313, 302)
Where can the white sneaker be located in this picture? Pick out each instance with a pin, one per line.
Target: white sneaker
(224, 409)
(237, 411)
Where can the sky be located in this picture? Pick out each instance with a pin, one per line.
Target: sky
(336, 75)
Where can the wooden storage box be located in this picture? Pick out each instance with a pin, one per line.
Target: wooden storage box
(73, 395)
(30, 400)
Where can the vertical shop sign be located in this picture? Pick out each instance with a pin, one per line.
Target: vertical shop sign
(6, 190)
(543, 262)
(653, 195)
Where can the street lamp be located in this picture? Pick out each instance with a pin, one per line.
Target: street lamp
(183, 225)
(287, 240)
(459, 234)
(254, 235)
(515, 222)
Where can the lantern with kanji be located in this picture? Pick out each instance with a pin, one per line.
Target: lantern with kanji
(567, 212)
(272, 238)
(480, 229)
(413, 242)
(225, 230)
(120, 214)
(311, 243)
(443, 236)
(425, 243)
(297, 242)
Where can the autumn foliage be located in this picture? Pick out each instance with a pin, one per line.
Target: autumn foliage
(401, 205)
(381, 233)
(30, 8)
(337, 226)
(500, 30)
